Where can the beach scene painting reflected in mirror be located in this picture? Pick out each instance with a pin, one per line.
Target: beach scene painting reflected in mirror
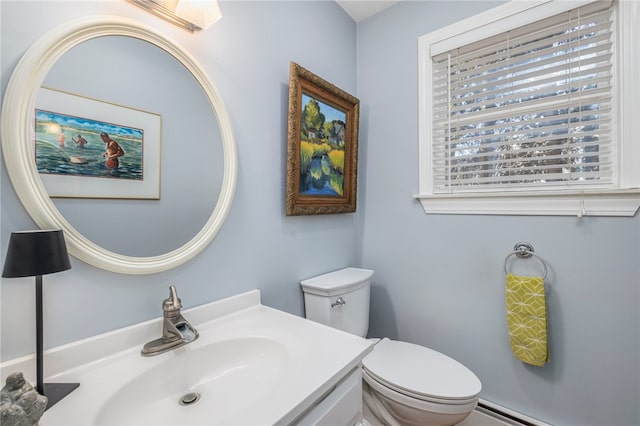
(87, 148)
(322, 146)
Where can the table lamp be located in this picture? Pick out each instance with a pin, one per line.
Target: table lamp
(34, 254)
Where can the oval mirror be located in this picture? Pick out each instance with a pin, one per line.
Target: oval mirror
(92, 244)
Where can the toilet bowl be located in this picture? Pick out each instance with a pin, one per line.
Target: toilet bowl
(408, 384)
(403, 383)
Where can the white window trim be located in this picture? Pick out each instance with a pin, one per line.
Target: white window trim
(623, 201)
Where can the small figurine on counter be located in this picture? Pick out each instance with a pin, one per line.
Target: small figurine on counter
(20, 404)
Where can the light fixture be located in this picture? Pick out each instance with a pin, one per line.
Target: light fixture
(192, 15)
(34, 254)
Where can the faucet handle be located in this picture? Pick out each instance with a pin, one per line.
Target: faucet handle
(173, 302)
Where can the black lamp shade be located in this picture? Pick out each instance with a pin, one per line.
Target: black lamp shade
(33, 253)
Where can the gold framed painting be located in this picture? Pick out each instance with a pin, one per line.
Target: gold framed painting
(322, 146)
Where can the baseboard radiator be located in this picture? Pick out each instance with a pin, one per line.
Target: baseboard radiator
(506, 415)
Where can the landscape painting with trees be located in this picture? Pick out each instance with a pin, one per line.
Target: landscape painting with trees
(322, 146)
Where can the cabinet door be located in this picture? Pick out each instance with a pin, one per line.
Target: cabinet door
(341, 407)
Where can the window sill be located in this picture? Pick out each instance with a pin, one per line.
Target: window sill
(596, 203)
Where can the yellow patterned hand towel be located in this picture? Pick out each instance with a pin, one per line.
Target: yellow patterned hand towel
(527, 319)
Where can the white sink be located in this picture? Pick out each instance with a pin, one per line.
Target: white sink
(251, 365)
(223, 377)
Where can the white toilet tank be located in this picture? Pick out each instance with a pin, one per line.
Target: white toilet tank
(339, 299)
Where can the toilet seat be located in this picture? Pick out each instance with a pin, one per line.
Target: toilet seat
(420, 373)
(422, 405)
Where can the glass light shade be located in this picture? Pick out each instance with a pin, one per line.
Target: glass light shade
(202, 13)
(192, 15)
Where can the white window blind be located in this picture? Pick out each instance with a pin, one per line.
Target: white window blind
(531, 107)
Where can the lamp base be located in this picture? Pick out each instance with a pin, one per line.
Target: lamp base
(56, 391)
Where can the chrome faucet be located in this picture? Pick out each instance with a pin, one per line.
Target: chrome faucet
(176, 331)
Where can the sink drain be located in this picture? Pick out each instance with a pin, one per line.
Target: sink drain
(189, 398)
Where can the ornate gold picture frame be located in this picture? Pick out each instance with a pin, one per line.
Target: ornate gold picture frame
(322, 150)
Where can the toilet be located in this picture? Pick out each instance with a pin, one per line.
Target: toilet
(403, 383)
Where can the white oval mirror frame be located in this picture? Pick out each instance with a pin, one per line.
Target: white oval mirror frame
(18, 148)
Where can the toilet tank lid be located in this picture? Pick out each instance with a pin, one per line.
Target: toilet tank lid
(343, 280)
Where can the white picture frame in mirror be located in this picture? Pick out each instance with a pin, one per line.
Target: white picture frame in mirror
(66, 175)
(17, 142)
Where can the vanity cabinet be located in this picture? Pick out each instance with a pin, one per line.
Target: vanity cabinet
(341, 406)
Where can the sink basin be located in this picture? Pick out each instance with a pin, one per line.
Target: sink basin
(222, 378)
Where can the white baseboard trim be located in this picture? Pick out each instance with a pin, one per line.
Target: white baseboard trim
(507, 415)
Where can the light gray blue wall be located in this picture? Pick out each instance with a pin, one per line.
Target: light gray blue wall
(439, 279)
(247, 55)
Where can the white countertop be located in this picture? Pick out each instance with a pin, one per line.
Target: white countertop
(316, 358)
(313, 359)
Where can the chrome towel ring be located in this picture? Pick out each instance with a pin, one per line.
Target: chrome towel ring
(524, 251)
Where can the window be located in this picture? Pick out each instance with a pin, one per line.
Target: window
(520, 113)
